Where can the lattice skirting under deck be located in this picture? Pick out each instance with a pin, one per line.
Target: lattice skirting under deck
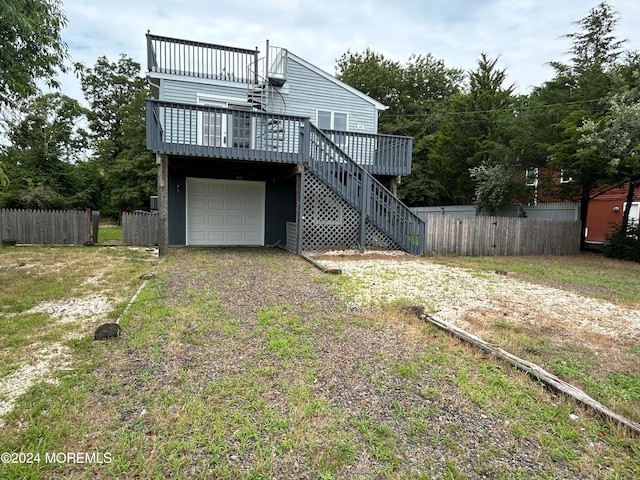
(331, 223)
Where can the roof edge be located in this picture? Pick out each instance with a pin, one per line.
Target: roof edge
(339, 82)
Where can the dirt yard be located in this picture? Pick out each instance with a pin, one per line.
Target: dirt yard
(488, 303)
(251, 363)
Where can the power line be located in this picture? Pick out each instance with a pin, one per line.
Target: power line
(511, 110)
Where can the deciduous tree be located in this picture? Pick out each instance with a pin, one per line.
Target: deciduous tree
(116, 93)
(47, 140)
(31, 47)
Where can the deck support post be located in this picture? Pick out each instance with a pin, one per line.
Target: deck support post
(162, 161)
(393, 185)
(301, 211)
(365, 187)
(304, 148)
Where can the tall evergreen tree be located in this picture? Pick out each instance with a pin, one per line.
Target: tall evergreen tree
(580, 89)
(474, 142)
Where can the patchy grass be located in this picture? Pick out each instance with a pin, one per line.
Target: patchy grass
(605, 367)
(109, 234)
(590, 274)
(43, 292)
(243, 365)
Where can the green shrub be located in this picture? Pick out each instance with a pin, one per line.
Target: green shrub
(624, 246)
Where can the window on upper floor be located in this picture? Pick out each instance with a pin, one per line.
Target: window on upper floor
(531, 177)
(218, 129)
(329, 120)
(565, 176)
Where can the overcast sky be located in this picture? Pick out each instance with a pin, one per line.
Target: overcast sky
(525, 34)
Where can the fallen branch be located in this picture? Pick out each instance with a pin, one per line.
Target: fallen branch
(531, 369)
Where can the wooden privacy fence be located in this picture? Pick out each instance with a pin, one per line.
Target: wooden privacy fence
(139, 229)
(485, 236)
(56, 227)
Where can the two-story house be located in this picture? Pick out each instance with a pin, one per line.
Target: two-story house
(265, 148)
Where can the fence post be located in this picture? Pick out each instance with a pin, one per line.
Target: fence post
(95, 223)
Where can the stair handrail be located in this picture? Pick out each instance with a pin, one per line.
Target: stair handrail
(364, 192)
(261, 80)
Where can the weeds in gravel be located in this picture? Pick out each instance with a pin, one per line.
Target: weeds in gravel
(587, 274)
(210, 381)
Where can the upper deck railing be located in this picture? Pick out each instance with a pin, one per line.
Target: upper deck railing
(203, 60)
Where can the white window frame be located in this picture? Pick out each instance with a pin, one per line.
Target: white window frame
(340, 140)
(563, 178)
(529, 173)
(224, 133)
(226, 125)
(332, 122)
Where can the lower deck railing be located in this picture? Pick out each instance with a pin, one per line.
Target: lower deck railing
(216, 132)
(176, 128)
(341, 163)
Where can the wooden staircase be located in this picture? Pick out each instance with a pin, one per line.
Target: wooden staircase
(372, 200)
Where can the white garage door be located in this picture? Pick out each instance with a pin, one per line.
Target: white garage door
(225, 212)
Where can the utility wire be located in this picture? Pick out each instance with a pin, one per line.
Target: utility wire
(511, 110)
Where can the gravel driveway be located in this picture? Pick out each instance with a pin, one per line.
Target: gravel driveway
(358, 358)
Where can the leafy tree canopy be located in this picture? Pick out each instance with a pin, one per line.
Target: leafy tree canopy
(108, 86)
(31, 47)
(47, 140)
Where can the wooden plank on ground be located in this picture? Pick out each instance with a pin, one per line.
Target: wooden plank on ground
(530, 368)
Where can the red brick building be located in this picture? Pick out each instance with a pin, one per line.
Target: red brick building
(606, 206)
(606, 209)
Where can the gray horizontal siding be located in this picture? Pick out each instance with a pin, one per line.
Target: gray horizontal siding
(310, 91)
(306, 92)
(187, 92)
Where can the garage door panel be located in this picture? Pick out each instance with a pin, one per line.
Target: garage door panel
(198, 236)
(216, 220)
(216, 188)
(239, 190)
(225, 212)
(198, 219)
(215, 238)
(215, 203)
(198, 204)
(235, 220)
(235, 204)
(237, 237)
(198, 188)
(252, 220)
